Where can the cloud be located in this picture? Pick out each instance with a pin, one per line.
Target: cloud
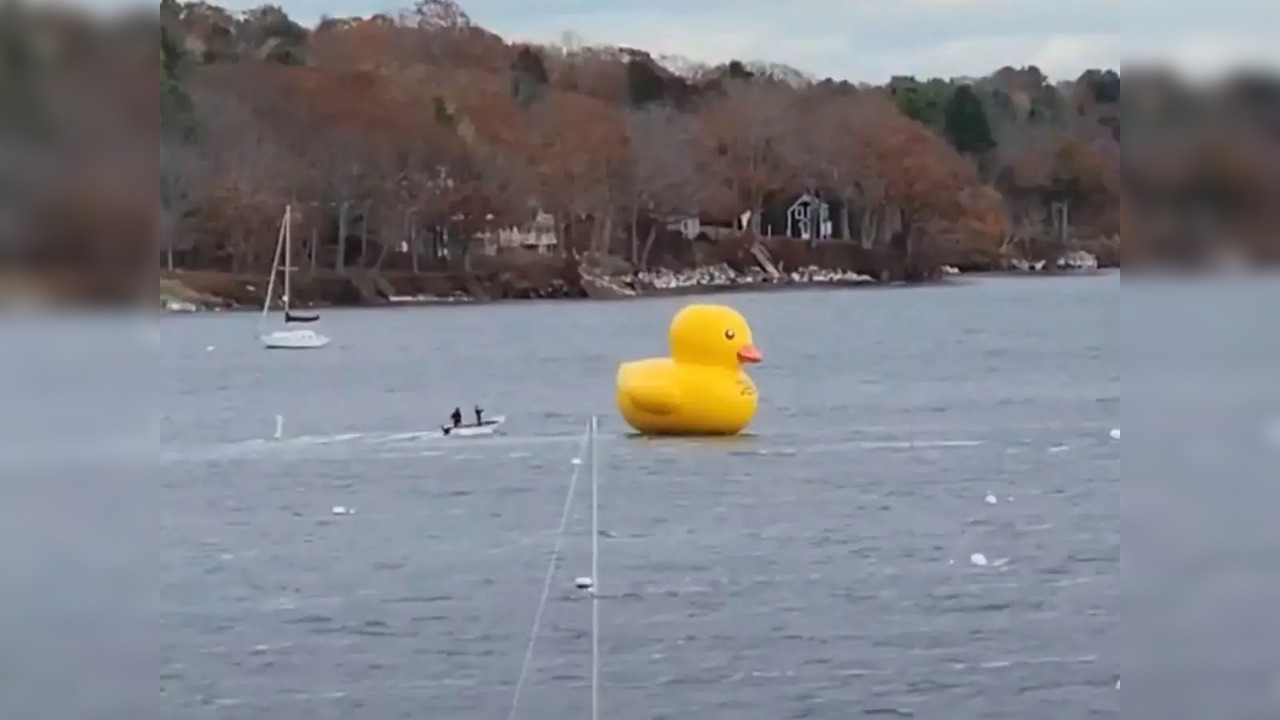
(872, 40)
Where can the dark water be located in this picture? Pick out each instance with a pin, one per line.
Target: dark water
(819, 568)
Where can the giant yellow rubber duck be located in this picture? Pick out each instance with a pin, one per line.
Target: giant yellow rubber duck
(701, 389)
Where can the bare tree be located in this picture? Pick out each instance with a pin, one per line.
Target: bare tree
(184, 183)
(664, 177)
(251, 178)
(748, 129)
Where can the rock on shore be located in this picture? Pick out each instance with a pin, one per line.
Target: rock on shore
(593, 282)
(1076, 261)
(175, 297)
(723, 276)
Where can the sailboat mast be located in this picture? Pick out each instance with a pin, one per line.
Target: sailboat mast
(595, 576)
(288, 257)
(275, 263)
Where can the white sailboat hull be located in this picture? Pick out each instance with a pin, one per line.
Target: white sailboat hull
(294, 339)
(488, 427)
(287, 338)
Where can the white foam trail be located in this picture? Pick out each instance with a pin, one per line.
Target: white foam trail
(745, 445)
(910, 444)
(414, 435)
(325, 439)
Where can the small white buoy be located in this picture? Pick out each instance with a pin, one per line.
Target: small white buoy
(577, 461)
(279, 426)
(1115, 433)
(991, 499)
(342, 510)
(584, 583)
(978, 559)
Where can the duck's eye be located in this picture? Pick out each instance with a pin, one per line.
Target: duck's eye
(728, 334)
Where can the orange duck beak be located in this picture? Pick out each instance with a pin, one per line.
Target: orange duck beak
(749, 354)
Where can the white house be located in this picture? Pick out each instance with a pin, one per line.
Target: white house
(809, 218)
(688, 226)
(539, 235)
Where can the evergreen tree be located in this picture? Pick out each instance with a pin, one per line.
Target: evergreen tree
(924, 102)
(966, 123)
(644, 84)
(19, 102)
(177, 112)
(529, 78)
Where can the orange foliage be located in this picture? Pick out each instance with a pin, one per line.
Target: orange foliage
(746, 130)
(418, 114)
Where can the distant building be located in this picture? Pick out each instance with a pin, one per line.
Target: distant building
(538, 235)
(687, 225)
(804, 216)
(809, 218)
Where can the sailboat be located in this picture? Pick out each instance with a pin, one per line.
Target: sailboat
(287, 338)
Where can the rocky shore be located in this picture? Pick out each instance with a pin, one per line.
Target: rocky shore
(196, 292)
(715, 278)
(178, 297)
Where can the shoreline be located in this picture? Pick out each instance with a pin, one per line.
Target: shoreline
(656, 293)
(954, 280)
(593, 278)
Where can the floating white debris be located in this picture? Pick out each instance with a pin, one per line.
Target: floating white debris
(999, 562)
(1115, 433)
(978, 559)
(991, 499)
(577, 461)
(209, 348)
(584, 583)
(342, 510)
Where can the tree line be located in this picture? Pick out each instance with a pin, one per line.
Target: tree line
(420, 130)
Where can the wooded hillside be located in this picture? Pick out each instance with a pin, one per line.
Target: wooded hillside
(388, 133)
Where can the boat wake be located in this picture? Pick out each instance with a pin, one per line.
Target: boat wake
(391, 445)
(430, 443)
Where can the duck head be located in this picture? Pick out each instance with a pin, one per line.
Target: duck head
(712, 335)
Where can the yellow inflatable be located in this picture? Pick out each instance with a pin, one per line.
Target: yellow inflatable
(701, 389)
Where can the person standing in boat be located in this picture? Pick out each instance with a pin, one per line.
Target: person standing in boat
(479, 415)
(456, 417)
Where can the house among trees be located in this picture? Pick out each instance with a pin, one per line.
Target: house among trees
(538, 235)
(416, 141)
(803, 216)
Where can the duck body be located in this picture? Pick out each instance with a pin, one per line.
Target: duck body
(701, 388)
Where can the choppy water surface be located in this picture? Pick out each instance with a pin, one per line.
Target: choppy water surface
(819, 568)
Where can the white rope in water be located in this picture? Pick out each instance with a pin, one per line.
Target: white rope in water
(551, 571)
(595, 574)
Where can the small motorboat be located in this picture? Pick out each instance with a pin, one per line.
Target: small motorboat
(484, 427)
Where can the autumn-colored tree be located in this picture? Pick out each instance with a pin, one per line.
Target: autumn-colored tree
(750, 129)
(665, 179)
(388, 129)
(577, 146)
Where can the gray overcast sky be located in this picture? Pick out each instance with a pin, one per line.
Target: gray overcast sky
(871, 40)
